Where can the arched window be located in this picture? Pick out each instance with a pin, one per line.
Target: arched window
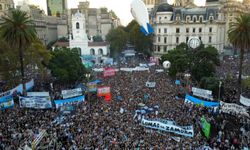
(1, 7)
(92, 51)
(100, 51)
(77, 25)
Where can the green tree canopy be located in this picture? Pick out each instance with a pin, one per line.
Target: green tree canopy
(239, 36)
(97, 38)
(66, 65)
(117, 39)
(200, 63)
(19, 32)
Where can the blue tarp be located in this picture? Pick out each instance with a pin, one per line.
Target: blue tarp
(201, 102)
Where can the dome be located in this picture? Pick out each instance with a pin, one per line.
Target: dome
(164, 7)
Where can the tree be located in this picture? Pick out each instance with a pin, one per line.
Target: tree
(97, 38)
(66, 65)
(117, 39)
(200, 63)
(18, 31)
(212, 83)
(239, 36)
(141, 42)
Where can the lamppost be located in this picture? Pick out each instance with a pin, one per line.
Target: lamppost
(87, 75)
(219, 90)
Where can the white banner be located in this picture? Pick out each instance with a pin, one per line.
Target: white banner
(71, 93)
(39, 94)
(233, 109)
(35, 102)
(150, 84)
(168, 127)
(159, 70)
(244, 101)
(98, 69)
(202, 93)
(127, 69)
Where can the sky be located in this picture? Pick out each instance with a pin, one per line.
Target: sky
(120, 7)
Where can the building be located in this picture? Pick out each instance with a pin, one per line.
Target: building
(175, 25)
(5, 5)
(98, 20)
(57, 8)
(79, 39)
(48, 28)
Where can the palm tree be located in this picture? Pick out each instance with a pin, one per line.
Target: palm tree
(239, 36)
(18, 31)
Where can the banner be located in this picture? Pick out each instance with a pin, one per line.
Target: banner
(191, 99)
(205, 127)
(202, 93)
(6, 102)
(71, 93)
(98, 69)
(92, 86)
(159, 70)
(38, 94)
(177, 82)
(127, 69)
(108, 72)
(140, 69)
(60, 103)
(233, 109)
(150, 84)
(244, 101)
(35, 102)
(103, 91)
(169, 127)
(19, 88)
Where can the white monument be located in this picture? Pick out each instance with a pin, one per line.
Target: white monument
(78, 37)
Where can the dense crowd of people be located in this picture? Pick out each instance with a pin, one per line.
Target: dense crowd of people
(98, 124)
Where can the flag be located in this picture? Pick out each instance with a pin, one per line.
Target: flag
(205, 127)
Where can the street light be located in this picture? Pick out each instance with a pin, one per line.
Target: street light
(87, 75)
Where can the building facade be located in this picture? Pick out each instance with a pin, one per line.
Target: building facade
(57, 8)
(176, 24)
(79, 39)
(98, 20)
(5, 5)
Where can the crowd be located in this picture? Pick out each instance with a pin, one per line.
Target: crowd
(97, 124)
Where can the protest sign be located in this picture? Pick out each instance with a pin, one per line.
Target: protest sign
(103, 91)
(35, 102)
(69, 101)
(108, 72)
(71, 93)
(181, 130)
(202, 93)
(233, 109)
(92, 86)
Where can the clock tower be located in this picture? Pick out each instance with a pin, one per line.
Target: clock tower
(78, 38)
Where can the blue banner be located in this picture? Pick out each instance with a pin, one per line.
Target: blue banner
(177, 82)
(189, 98)
(35, 102)
(6, 102)
(60, 103)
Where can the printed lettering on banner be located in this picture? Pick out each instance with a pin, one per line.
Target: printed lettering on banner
(108, 72)
(202, 93)
(245, 101)
(164, 126)
(102, 91)
(69, 101)
(71, 93)
(38, 94)
(233, 109)
(35, 102)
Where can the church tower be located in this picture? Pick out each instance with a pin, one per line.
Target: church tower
(78, 37)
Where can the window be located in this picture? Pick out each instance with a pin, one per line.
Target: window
(159, 18)
(159, 30)
(92, 51)
(177, 30)
(201, 19)
(187, 30)
(187, 38)
(177, 40)
(210, 39)
(100, 51)
(159, 39)
(165, 48)
(187, 18)
(159, 48)
(165, 30)
(77, 25)
(1, 7)
(211, 18)
(194, 19)
(200, 38)
(193, 30)
(165, 18)
(200, 30)
(210, 29)
(165, 39)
